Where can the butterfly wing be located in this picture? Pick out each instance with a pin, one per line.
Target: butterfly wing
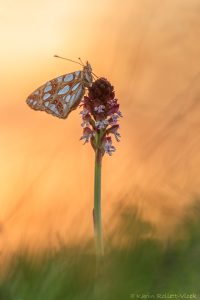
(59, 96)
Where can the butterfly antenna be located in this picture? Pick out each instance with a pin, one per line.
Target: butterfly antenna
(81, 61)
(76, 62)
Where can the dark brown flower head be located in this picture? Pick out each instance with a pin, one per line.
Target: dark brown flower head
(100, 116)
(102, 90)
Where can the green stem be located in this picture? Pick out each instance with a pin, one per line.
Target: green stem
(97, 203)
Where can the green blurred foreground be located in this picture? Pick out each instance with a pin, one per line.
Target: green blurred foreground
(140, 267)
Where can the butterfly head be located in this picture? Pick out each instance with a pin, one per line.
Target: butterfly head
(87, 74)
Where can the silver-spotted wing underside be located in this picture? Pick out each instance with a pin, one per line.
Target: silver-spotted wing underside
(59, 96)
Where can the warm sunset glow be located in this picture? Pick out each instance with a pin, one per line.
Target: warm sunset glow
(149, 50)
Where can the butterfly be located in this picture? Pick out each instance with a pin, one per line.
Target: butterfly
(62, 94)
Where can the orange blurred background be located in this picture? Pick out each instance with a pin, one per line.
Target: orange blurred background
(149, 50)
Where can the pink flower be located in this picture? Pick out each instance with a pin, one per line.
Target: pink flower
(100, 116)
(108, 146)
(87, 134)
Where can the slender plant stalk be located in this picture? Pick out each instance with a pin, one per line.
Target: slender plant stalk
(97, 203)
